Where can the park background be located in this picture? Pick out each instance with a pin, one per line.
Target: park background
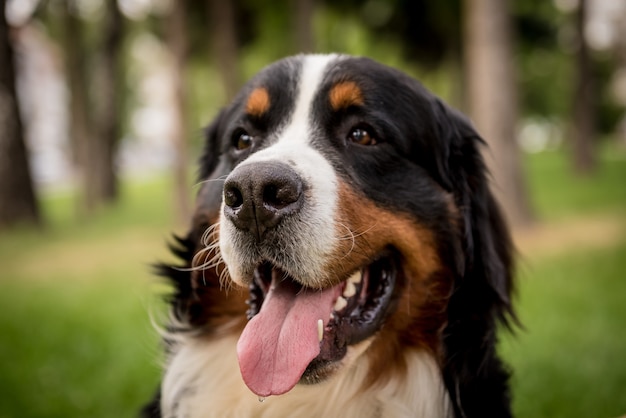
(101, 114)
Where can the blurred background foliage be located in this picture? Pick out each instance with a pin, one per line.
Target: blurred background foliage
(113, 96)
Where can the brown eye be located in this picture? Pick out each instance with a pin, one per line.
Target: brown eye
(242, 140)
(361, 136)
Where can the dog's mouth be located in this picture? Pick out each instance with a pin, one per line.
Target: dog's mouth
(300, 334)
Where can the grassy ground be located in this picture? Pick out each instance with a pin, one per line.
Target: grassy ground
(556, 193)
(74, 301)
(569, 360)
(77, 339)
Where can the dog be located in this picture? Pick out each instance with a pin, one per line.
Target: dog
(346, 257)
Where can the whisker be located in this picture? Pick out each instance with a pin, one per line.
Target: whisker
(352, 237)
(209, 257)
(205, 239)
(223, 279)
(220, 178)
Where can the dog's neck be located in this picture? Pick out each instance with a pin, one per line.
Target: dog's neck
(203, 380)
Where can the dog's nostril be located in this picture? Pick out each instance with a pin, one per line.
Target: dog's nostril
(279, 196)
(233, 197)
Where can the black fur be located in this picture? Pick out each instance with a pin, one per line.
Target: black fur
(475, 377)
(425, 147)
(152, 409)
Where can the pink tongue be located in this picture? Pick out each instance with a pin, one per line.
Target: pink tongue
(281, 340)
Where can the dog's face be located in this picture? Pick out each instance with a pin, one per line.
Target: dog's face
(340, 195)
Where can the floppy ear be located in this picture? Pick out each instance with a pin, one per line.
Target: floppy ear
(199, 300)
(211, 152)
(481, 298)
(486, 239)
(210, 179)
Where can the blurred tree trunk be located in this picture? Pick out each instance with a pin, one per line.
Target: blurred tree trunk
(81, 135)
(583, 118)
(303, 25)
(75, 77)
(17, 195)
(108, 103)
(225, 45)
(620, 75)
(492, 100)
(178, 44)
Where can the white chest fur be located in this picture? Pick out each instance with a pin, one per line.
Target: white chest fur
(203, 380)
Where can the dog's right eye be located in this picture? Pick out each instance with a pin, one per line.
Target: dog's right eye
(242, 139)
(362, 136)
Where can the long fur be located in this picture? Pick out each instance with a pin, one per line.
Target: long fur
(441, 365)
(212, 366)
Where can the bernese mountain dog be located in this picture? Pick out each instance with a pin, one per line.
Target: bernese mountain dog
(346, 257)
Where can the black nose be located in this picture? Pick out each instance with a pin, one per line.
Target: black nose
(258, 196)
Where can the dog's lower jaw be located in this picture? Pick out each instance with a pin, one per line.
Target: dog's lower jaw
(203, 381)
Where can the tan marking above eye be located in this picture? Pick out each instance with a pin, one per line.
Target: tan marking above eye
(345, 94)
(258, 102)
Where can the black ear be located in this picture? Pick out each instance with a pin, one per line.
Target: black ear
(212, 147)
(197, 300)
(186, 247)
(213, 169)
(487, 242)
(481, 299)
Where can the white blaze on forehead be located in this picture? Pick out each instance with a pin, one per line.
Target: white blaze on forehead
(313, 67)
(298, 128)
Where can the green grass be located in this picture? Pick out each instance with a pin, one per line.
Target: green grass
(569, 360)
(77, 339)
(76, 349)
(74, 301)
(557, 193)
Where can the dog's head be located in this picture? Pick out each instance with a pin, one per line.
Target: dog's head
(352, 208)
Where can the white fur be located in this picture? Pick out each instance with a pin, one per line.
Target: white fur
(203, 381)
(203, 378)
(314, 241)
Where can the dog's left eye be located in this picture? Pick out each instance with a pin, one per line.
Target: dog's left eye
(361, 136)
(242, 140)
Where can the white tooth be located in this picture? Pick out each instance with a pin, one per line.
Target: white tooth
(350, 290)
(340, 304)
(320, 329)
(355, 278)
(332, 316)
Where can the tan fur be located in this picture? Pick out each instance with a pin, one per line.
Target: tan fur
(420, 316)
(203, 381)
(345, 94)
(364, 230)
(393, 374)
(258, 102)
